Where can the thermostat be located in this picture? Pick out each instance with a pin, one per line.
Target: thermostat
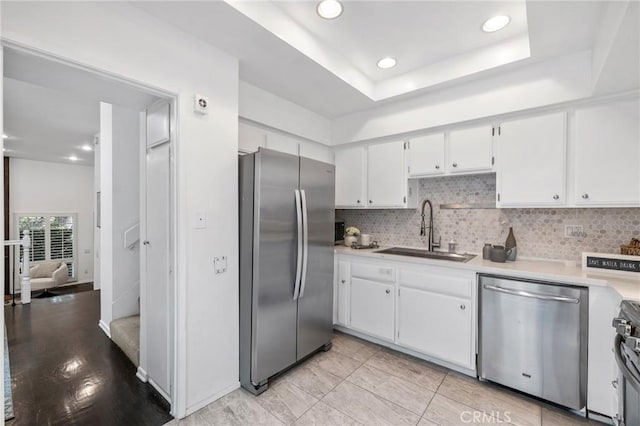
(201, 104)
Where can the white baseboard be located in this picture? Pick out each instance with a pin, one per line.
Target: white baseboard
(407, 351)
(142, 375)
(203, 403)
(105, 328)
(159, 389)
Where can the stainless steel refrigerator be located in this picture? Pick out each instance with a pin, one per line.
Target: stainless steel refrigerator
(286, 262)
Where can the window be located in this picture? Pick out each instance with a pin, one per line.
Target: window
(53, 237)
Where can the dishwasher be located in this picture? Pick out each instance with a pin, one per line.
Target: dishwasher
(533, 338)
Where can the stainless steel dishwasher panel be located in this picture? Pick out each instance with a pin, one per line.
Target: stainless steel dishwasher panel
(533, 338)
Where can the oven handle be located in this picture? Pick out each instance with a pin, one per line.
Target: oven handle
(626, 373)
(540, 296)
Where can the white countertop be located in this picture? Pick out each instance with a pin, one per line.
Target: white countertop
(545, 270)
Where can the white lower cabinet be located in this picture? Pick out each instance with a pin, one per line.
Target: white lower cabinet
(429, 310)
(438, 325)
(372, 307)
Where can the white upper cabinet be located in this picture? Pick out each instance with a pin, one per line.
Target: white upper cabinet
(350, 175)
(386, 178)
(426, 155)
(607, 155)
(250, 138)
(531, 162)
(470, 150)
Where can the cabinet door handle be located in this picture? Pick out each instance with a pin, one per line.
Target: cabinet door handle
(556, 197)
(437, 166)
(370, 202)
(455, 164)
(585, 196)
(343, 281)
(463, 307)
(358, 201)
(388, 291)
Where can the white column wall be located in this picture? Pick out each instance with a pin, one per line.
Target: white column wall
(122, 40)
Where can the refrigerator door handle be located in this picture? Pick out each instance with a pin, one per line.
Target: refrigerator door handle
(305, 242)
(296, 284)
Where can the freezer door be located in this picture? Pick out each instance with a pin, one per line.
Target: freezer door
(274, 264)
(315, 305)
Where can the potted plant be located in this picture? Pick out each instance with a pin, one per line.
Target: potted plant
(351, 236)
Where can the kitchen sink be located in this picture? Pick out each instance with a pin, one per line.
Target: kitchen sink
(442, 255)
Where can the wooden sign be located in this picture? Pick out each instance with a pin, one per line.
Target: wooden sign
(618, 263)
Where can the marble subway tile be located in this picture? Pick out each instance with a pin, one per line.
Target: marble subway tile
(406, 394)
(368, 408)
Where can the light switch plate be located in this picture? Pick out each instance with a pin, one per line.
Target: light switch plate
(220, 264)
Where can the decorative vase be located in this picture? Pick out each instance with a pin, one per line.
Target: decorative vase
(350, 240)
(511, 246)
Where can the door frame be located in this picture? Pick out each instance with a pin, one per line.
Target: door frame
(178, 322)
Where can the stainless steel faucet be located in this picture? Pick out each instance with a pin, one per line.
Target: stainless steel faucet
(423, 229)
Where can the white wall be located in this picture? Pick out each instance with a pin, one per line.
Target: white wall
(123, 40)
(120, 193)
(270, 110)
(545, 83)
(43, 187)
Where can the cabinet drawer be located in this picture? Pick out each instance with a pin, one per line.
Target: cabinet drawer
(385, 274)
(437, 282)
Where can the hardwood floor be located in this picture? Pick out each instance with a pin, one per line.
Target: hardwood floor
(359, 383)
(66, 371)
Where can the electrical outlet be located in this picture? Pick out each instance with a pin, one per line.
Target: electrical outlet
(574, 231)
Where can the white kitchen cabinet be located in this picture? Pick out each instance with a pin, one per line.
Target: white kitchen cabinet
(250, 138)
(426, 155)
(350, 177)
(342, 293)
(436, 324)
(531, 162)
(372, 307)
(470, 150)
(607, 155)
(386, 178)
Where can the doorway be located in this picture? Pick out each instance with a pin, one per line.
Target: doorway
(127, 173)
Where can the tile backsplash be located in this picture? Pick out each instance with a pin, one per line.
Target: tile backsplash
(539, 232)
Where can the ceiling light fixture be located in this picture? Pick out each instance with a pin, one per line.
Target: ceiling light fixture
(495, 23)
(73, 158)
(329, 9)
(87, 147)
(386, 63)
(5, 136)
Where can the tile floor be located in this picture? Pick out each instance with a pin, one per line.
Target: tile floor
(358, 382)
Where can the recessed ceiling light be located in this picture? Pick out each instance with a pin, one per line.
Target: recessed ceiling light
(387, 62)
(495, 23)
(5, 136)
(329, 9)
(73, 158)
(87, 147)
